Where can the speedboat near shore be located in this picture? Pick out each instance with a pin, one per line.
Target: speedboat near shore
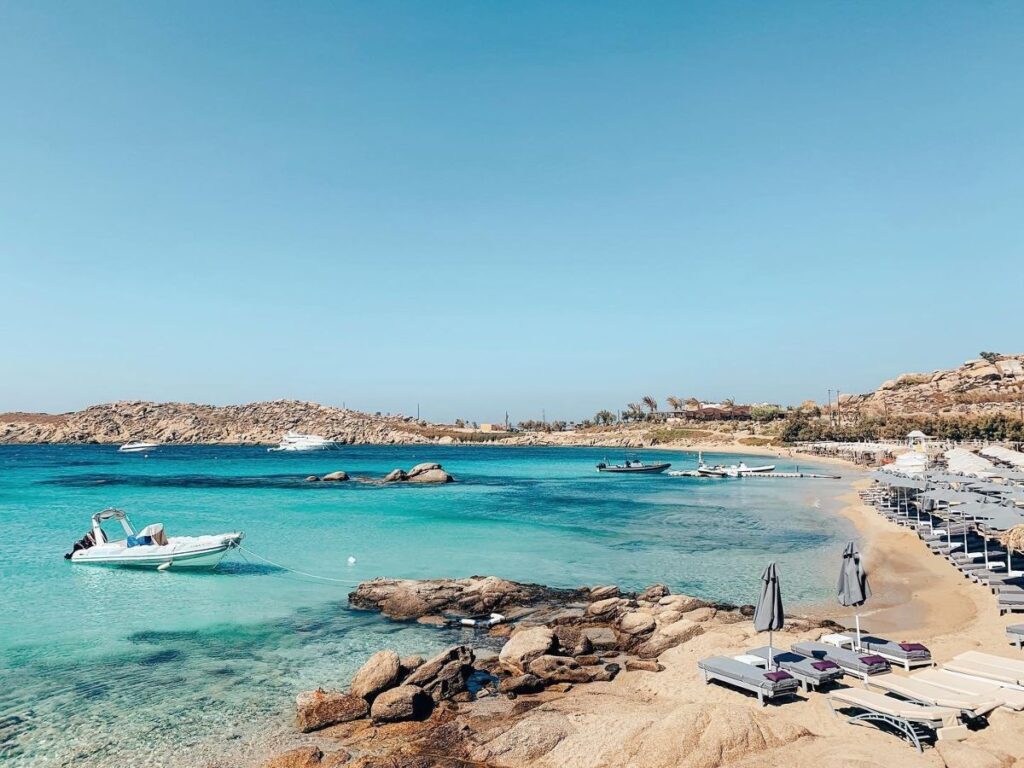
(734, 470)
(138, 446)
(634, 466)
(149, 547)
(297, 441)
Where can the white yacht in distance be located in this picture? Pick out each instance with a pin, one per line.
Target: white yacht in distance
(296, 441)
(138, 446)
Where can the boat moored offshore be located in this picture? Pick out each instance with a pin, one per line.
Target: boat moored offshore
(297, 441)
(634, 466)
(138, 446)
(150, 547)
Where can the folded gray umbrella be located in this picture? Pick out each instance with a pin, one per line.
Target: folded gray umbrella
(853, 588)
(768, 614)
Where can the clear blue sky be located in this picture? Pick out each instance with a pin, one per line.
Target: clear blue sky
(490, 206)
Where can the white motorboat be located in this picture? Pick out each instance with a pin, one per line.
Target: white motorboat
(149, 547)
(733, 470)
(296, 441)
(634, 466)
(138, 446)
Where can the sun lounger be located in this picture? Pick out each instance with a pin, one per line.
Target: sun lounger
(995, 673)
(971, 706)
(1011, 699)
(913, 722)
(810, 673)
(853, 663)
(767, 685)
(1015, 632)
(906, 655)
(1010, 664)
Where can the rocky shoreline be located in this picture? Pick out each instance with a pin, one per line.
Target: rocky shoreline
(533, 644)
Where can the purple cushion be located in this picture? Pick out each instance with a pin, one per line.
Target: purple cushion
(872, 660)
(823, 666)
(779, 676)
(913, 647)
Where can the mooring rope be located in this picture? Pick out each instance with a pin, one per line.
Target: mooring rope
(268, 561)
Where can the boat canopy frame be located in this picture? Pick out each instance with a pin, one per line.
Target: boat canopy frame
(110, 514)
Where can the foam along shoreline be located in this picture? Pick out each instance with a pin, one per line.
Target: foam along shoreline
(659, 712)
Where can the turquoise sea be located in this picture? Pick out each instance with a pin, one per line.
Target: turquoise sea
(107, 667)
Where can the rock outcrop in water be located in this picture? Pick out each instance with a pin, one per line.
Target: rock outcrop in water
(419, 598)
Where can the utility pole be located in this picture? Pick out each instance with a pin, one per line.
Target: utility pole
(543, 417)
(839, 411)
(831, 415)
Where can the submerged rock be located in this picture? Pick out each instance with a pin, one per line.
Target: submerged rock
(336, 477)
(318, 709)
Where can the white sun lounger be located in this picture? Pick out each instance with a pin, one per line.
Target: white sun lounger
(997, 673)
(1015, 633)
(748, 677)
(1015, 665)
(919, 691)
(1011, 698)
(915, 723)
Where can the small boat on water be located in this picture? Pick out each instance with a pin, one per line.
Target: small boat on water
(634, 466)
(138, 446)
(297, 441)
(149, 547)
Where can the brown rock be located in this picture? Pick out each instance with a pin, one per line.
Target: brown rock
(337, 477)
(559, 669)
(603, 593)
(653, 593)
(430, 476)
(312, 479)
(601, 638)
(636, 623)
(318, 709)
(301, 757)
(446, 674)
(525, 646)
(643, 665)
(589, 660)
(669, 637)
(410, 663)
(607, 608)
(406, 702)
(573, 640)
(395, 476)
(521, 684)
(380, 672)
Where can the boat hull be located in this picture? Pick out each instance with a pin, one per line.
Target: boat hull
(148, 557)
(647, 469)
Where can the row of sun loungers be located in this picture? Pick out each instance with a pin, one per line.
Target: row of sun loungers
(926, 705)
(945, 537)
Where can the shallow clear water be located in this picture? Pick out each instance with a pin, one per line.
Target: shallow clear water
(112, 667)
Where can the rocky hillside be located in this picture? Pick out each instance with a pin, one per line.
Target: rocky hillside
(192, 423)
(986, 386)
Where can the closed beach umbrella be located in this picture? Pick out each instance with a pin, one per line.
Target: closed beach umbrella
(768, 615)
(853, 588)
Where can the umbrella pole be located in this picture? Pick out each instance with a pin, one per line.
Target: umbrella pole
(857, 615)
(771, 653)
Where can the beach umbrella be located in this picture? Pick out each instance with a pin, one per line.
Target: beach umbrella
(768, 614)
(853, 588)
